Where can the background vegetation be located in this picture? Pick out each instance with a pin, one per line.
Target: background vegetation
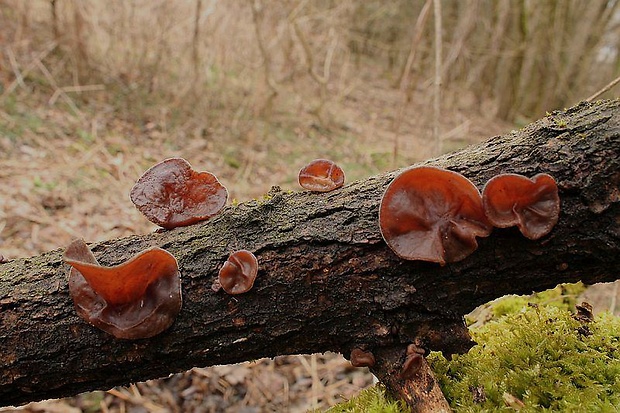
(94, 92)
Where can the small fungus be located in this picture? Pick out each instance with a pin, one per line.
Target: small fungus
(361, 358)
(432, 214)
(136, 299)
(171, 194)
(533, 205)
(413, 362)
(238, 273)
(321, 175)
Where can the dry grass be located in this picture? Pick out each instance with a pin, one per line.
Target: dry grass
(92, 97)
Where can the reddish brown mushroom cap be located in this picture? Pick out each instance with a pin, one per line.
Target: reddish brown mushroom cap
(321, 175)
(171, 194)
(238, 273)
(432, 214)
(533, 205)
(136, 299)
(361, 358)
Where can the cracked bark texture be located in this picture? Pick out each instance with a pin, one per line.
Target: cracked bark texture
(327, 281)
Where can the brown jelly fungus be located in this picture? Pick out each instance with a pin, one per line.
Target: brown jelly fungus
(136, 299)
(413, 362)
(362, 358)
(238, 273)
(321, 175)
(432, 214)
(533, 205)
(171, 194)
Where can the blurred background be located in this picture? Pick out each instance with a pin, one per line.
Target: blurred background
(94, 92)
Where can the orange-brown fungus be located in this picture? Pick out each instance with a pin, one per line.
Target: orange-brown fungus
(238, 273)
(171, 194)
(361, 358)
(136, 299)
(321, 175)
(432, 214)
(533, 205)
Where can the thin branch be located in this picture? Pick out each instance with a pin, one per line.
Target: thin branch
(308, 53)
(57, 89)
(404, 79)
(196, 37)
(604, 89)
(257, 13)
(418, 31)
(74, 89)
(437, 83)
(19, 78)
(40, 57)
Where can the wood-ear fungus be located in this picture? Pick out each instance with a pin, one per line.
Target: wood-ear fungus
(171, 194)
(533, 205)
(321, 175)
(238, 273)
(136, 299)
(413, 362)
(432, 214)
(362, 358)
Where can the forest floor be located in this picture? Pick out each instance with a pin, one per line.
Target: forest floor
(66, 173)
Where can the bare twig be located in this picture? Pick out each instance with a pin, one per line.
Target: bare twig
(308, 53)
(257, 13)
(11, 88)
(57, 89)
(404, 79)
(437, 83)
(74, 89)
(415, 42)
(604, 89)
(18, 76)
(195, 51)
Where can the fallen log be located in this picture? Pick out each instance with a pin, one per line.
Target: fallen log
(327, 281)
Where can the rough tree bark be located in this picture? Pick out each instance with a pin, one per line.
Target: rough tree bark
(327, 280)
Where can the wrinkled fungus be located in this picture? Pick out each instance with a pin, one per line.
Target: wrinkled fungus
(413, 362)
(321, 175)
(238, 273)
(136, 299)
(533, 205)
(171, 194)
(361, 358)
(432, 214)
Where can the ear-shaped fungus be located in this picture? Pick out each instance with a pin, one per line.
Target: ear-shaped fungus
(136, 299)
(321, 175)
(413, 362)
(533, 205)
(432, 214)
(361, 358)
(238, 273)
(171, 194)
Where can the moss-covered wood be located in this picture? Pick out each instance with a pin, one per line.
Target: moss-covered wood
(327, 281)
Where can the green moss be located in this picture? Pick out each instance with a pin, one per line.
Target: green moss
(370, 400)
(563, 296)
(541, 356)
(532, 351)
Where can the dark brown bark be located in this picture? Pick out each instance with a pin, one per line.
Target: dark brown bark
(327, 281)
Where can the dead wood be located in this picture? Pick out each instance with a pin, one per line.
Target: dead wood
(327, 281)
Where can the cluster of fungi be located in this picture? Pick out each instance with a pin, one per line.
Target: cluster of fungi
(426, 213)
(432, 214)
